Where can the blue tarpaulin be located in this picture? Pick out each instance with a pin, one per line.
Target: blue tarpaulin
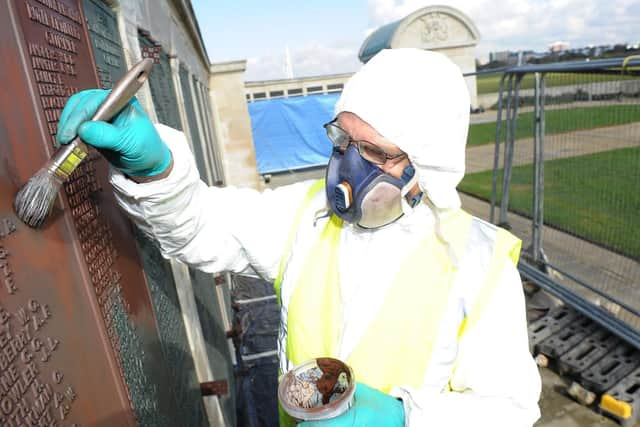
(288, 132)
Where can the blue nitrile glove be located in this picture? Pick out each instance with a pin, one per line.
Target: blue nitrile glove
(371, 408)
(130, 142)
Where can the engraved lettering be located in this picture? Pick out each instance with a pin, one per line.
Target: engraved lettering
(63, 91)
(64, 10)
(53, 115)
(6, 405)
(25, 329)
(33, 305)
(10, 285)
(4, 267)
(61, 42)
(4, 338)
(25, 356)
(42, 396)
(4, 362)
(45, 311)
(22, 410)
(8, 377)
(64, 410)
(53, 128)
(47, 77)
(29, 374)
(48, 20)
(57, 376)
(37, 323)
(6, 227)
(22, 316)
(111, 60)
(58, 399)
(10, 353)
(70, 393)
(4, 316)
(36, 344)
(9, 225)
(52, 343)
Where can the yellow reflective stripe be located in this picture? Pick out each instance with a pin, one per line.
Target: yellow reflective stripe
(506, 245)
(314, 320)
(313, 190)
(399, 342)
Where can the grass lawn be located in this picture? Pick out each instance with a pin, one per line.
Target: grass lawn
(594, 196)
(490, 83)
(558, 121)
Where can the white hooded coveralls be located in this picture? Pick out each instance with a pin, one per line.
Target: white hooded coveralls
(495, 380)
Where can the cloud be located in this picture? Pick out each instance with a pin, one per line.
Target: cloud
(514, 25)
(312, 59)
(531, 24)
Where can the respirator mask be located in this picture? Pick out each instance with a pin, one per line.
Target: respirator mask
(358, 191)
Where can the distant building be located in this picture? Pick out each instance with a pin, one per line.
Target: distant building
(558, 47)
(502, 56)
(302, 86)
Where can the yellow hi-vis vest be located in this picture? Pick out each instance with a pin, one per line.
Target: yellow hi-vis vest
(397, 346)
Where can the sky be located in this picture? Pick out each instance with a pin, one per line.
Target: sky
(324, 36)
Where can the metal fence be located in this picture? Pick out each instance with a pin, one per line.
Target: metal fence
(566, 178)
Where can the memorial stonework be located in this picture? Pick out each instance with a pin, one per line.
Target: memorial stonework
(440, 28)
(162, 90)
(193, 124)
(86, 338)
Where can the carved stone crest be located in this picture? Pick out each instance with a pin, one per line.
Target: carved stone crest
(436, 28)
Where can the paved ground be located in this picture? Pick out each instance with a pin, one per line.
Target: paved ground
(480, 158)
(559, 410)
(612, 272)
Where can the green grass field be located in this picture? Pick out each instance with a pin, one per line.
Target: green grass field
(490, 83)
(594, 196)
(559, 121)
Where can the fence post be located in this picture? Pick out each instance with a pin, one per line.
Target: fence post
(496, 153)
(538, 170)
(509, 146)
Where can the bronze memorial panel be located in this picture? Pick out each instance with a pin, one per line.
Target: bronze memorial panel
(79, 341)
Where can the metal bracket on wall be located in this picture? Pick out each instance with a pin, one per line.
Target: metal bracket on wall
(235, 331)
(152, 52)
(217, 388)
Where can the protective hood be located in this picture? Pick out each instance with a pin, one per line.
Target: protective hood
(419, 101)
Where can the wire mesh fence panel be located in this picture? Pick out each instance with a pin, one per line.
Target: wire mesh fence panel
(588, 196)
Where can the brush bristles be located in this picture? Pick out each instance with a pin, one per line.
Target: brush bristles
(35, 199)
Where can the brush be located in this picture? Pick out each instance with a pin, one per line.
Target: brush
(34, 201)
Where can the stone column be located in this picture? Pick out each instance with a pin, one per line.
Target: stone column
(232, 125)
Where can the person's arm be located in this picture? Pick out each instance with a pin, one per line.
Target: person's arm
(495, 381)
(210, 228)
(157, 183)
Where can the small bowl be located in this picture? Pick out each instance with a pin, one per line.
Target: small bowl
(337, 406)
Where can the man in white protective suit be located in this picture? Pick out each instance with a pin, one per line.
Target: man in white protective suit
(376, 265)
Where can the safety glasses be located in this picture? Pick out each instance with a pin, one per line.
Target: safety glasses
(368, 150)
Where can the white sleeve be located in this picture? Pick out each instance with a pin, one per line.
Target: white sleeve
(213, 229)
(496, 382)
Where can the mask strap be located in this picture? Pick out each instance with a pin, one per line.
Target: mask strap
(409, 175)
